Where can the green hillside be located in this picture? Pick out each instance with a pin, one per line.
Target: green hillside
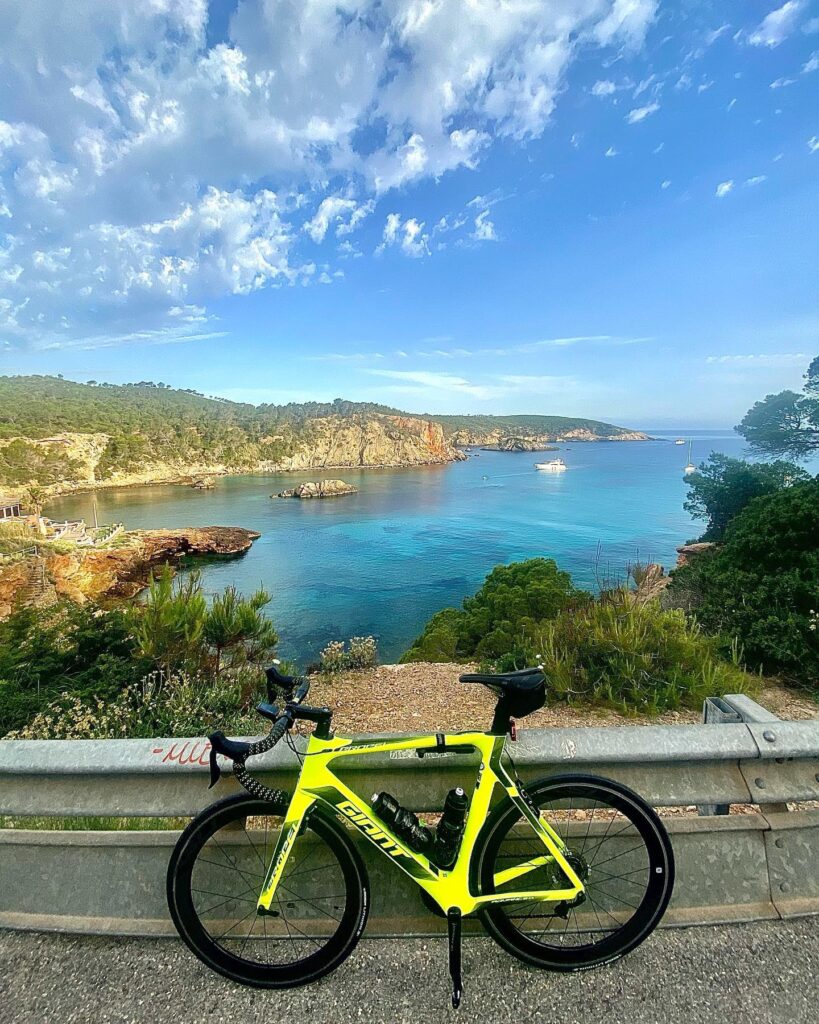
(147, 423)
(150, 423)
(527, 425)
(41, 406)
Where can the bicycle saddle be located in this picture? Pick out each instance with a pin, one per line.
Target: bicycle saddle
(507, 682)
(519, 693)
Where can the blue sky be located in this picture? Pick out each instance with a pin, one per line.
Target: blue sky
(596, 207)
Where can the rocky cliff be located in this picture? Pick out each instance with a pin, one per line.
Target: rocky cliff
(336, 442)
(87, 573)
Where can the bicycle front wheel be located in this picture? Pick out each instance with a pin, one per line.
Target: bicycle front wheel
(619, 848)
(216, 873)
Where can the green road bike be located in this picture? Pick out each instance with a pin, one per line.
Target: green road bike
(269, 889)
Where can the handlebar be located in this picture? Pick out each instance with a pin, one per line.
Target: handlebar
(239, 751)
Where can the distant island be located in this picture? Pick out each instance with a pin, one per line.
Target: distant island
(65, 436)
(529, 433)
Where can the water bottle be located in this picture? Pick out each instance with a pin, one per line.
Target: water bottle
(450, 829)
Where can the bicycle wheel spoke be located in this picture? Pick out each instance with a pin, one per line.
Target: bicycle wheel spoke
(599, 864)
(602, 835)
(316, 913)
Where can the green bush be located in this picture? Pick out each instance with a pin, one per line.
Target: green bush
(80, 648)
(88, 652)
(358, 653)
(177, 631)
(760, 587)
(637, 658)
(492, 623)
(178, 705)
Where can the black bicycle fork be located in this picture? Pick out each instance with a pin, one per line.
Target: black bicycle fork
(453, 920)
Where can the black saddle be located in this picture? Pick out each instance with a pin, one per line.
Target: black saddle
(519, 693)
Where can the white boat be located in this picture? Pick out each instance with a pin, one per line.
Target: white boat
(680, 440)
(555, 466)
(690, 467)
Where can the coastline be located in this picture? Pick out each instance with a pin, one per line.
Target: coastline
(177, 477)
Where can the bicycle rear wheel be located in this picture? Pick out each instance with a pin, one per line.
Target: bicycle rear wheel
(619, 848)
(216, 873)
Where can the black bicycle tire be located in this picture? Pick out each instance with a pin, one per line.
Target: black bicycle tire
(270, 976)
(498, 925)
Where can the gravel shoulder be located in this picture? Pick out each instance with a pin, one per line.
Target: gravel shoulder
(765, 972)
(425, 697)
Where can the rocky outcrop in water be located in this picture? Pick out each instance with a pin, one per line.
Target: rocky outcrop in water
(318, 489)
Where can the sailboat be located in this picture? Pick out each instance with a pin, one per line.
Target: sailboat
(680, 440)
(690, 467)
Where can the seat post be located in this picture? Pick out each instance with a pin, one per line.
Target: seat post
(500, 721)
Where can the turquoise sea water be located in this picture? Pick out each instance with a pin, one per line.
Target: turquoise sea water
(413, 541)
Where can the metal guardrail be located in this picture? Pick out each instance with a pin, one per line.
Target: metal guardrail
(761, 863)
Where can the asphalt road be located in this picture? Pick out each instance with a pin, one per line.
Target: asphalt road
(765, 972)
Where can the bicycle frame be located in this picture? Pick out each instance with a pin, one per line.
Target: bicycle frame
(317, 784)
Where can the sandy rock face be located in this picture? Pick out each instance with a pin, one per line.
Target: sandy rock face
(371, 441)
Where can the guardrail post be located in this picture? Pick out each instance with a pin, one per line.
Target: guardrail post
(716, 711)
(752, 713)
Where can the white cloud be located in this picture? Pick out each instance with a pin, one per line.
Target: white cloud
(781, 83)
(428, 380)
(811, 64)
(641, 113)
(177, 170)
(763, 361)
(757, 179)
(723, 189)
(408, 235)
(611, 151)
(603, 88)
(484, 230)
(665, 184)
(713, 36)
(813, 143)
(346, 214)
(778, 25)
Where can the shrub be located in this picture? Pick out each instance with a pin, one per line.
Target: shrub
(760, 588)
(81, 648)
(636, 658)
(177, 631)
(179, 705)
(359, 652)
(492, 623)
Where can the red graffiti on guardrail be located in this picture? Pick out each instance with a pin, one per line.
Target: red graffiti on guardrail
(189, 752)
